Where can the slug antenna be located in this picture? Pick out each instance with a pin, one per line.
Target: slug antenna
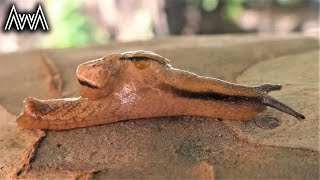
(269, 87)
(269, 101)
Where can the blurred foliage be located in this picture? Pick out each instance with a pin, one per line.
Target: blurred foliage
(288, 2)
(209, 5)
(69, 26)
(233, 8)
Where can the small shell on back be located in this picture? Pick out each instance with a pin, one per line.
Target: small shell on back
(145, 54)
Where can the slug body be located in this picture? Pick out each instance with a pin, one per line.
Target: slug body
(142, 84)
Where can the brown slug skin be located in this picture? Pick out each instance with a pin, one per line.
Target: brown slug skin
(142, 84)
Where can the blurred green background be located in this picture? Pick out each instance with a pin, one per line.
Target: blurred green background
(84, 22)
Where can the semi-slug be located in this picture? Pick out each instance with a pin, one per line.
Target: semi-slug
(142, 84)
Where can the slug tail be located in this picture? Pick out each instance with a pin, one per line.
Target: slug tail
(269, 101)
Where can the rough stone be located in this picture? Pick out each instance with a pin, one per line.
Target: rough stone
(272, 145)
(299, 75)
(17, 146)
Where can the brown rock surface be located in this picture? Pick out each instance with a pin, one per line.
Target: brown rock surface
(17, 146)
(172, 147)
(299, 75)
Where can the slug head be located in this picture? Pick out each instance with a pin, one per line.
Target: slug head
(99, 78)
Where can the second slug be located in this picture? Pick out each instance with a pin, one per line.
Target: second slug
(142, 84)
